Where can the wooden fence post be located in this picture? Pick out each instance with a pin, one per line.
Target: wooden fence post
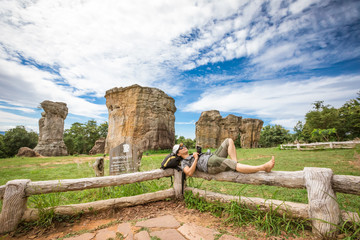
(14, 205)
(323, 208)
(178, 184)
(98, 166)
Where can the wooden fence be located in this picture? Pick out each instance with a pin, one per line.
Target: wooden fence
(321, 184)
(321, 145)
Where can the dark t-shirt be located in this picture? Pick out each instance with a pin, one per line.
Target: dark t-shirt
(201, 163)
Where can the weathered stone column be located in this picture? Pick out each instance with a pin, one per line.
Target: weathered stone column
(98, 167)
(51, 129)
(141, 116)
(99, 147)
(250, 130)
(212, 129)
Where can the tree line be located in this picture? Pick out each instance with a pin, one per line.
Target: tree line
(14, 139)
(322, 123)
(79, 139)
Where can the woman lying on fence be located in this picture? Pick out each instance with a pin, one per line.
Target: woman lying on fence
(217, 162)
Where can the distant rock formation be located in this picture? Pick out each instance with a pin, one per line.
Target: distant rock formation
(142, 116)
(27, 152)
(250, 130)
(212, 129)
(99, 147)
(51, 129)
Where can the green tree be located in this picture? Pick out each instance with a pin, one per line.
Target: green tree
(103, 129)
(322, 117)
(189, 143)
(346, 120)
(16, 138)
(298, 131)
(73, 138)
(179, 139)
(273, 135)
(323, 134)
(2, 147)
(349, 115)
(80, 138)
(237, 142)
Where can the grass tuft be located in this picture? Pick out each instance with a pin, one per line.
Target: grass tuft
(238, 214)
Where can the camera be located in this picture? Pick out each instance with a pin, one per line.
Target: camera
(198, 149)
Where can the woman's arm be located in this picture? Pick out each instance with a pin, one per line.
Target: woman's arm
(189, 171)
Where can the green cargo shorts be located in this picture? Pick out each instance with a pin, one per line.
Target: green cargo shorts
(219, 162)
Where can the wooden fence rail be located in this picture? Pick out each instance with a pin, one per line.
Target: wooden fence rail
(15, 193)
(292, 209)
(340, 183)
(306, 146)
(321, 185)
(34, 188)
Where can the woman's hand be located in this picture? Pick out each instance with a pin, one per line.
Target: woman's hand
(189, 171)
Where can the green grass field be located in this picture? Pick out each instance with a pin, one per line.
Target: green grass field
(341, 161)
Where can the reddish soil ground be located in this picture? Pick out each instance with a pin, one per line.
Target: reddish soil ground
(130, 214)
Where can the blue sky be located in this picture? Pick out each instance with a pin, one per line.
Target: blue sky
(260, 59)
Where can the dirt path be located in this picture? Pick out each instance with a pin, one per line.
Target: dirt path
(95, 222)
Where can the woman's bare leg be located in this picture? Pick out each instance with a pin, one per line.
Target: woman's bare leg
(243, 168)
(232, 150)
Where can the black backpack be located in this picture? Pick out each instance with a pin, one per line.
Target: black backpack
(174, 161)
(171, 161)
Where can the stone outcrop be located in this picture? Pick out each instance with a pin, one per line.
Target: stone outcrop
(142, 116)
(212, 129)
(250, 130)
(99, 147)
(51, 129)
(27, 152)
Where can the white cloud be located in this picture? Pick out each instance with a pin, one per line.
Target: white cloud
(287, 123)
(298, 6)
(282, 101)
(99, 45)
(93, 46)
(26, 110)
(214, 78)
(10, 120)
(192, 122)
(314, 39)
(27, 87)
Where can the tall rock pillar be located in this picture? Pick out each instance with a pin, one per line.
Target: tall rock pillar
(208, 129)
(212, 129)
(51, 129)
(250, 130)
(142, 116)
